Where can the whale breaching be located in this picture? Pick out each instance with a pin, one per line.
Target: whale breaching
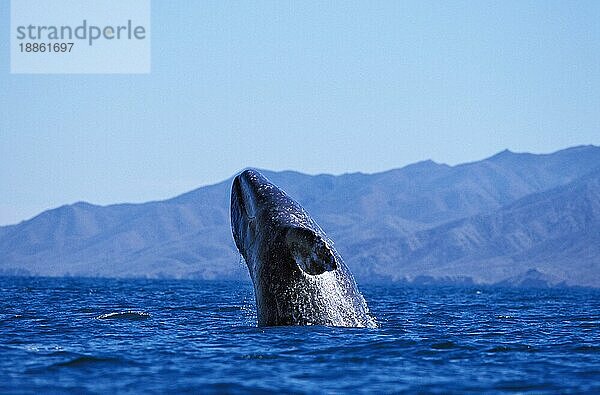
(299, 278)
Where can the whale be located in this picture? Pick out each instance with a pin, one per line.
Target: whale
(298, 276)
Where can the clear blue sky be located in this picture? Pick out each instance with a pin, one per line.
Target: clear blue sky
(318, 87)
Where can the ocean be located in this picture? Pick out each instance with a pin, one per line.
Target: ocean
(68, 335)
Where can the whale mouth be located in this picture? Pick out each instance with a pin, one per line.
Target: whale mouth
(243, 196)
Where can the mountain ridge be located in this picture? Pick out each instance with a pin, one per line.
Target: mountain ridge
(514, 232)
(188, 235)
(228, 180)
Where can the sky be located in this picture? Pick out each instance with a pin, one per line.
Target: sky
(317, 87)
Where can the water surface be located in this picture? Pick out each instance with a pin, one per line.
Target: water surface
(99, 336)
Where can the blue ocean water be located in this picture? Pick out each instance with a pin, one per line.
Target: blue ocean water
(130, 336)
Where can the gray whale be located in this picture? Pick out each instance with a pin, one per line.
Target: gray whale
(298, 276)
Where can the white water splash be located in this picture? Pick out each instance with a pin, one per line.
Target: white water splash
(128, 314)
(330, 292)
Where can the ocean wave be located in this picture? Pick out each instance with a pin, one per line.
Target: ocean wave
(86, 360)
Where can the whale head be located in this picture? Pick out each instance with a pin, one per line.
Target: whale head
(298, 276)
(275, 225)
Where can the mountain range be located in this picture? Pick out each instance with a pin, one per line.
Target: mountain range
(512, 219)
